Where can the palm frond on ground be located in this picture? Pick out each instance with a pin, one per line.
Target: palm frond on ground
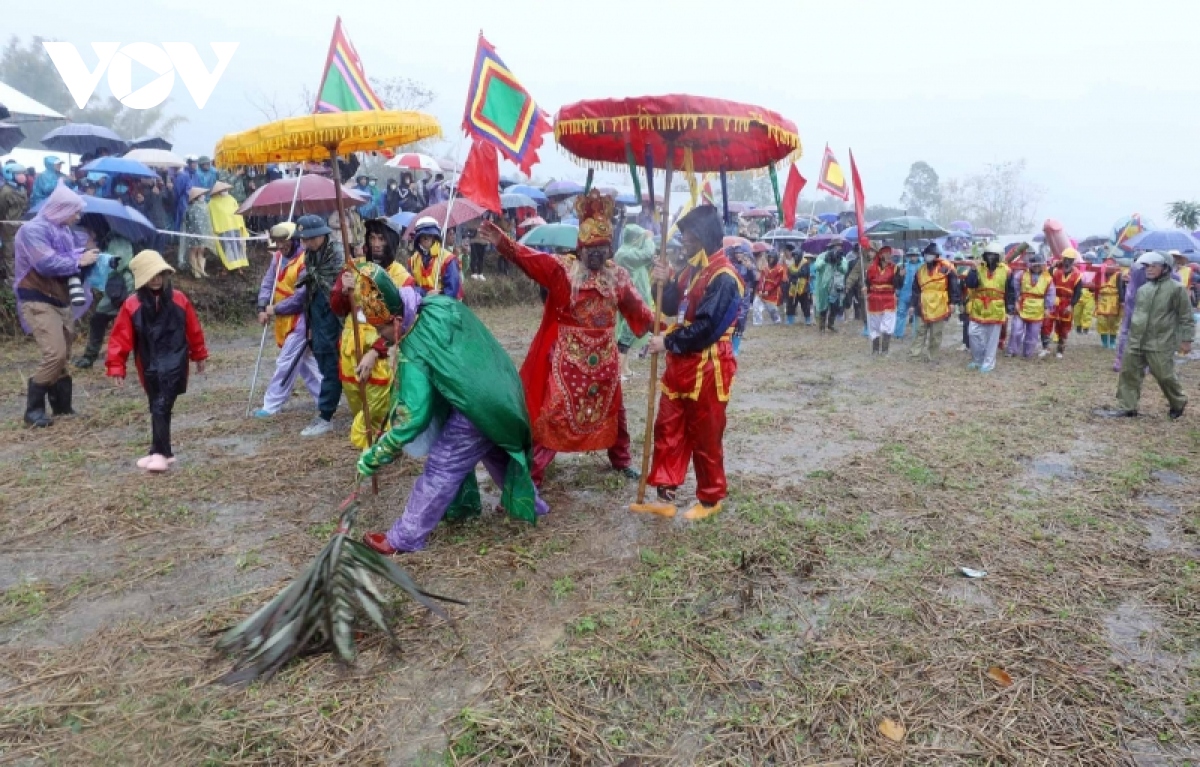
(318, 610)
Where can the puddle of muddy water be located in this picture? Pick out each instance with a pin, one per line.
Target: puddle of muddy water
(1165, 477)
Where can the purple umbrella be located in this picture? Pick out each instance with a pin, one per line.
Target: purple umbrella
(962, 226)
(563, 189)
(821, 242)
(984, 233)
(1164, 239)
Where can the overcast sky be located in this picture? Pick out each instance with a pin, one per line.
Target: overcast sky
(1101, 98)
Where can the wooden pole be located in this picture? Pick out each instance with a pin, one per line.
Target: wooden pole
(648, 440)
(358, 350)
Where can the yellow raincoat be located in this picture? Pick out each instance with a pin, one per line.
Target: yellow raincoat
(228, 225)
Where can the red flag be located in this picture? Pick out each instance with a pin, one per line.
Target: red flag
(480, 180)
(791, 196)
(860, 203)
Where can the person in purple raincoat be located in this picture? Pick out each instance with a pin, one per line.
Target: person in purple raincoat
(281, 297)
(48, 255)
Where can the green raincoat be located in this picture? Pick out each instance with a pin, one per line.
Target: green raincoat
(823, 279)
(636, 256)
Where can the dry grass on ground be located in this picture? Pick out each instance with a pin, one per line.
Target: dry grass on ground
(825, 603)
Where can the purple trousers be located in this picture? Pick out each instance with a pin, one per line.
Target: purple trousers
(295, 361)
(1025, 338)
(455, 454)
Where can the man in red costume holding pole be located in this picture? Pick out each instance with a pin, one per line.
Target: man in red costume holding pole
(572, 374)
(690, 425)
(1068, 288)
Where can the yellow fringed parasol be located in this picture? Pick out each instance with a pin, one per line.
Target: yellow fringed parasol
(318, 137)
(314, 138)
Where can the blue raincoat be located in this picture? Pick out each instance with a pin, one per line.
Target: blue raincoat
(910, 275)
(45, 182)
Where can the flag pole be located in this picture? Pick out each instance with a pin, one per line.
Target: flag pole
(437, 277)
(647, 440)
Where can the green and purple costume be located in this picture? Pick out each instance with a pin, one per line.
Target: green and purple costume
(458, 394)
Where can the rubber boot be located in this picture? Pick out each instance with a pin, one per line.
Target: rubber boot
(60, 396)
(791, 320)
(35, 406)
(820, 323)
(737, 345)
(886, 341)
(874, 347)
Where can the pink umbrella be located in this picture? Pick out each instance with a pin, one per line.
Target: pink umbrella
(757, 213)
(414, 161)
(535, 221)
(316, 195)
(464, 211)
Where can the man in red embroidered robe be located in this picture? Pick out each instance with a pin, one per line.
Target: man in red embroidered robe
(572, 374)
(690, 425)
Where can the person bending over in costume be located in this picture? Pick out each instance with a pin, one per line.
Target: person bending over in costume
(457, 398)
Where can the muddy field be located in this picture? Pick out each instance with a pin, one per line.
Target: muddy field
(821, 620)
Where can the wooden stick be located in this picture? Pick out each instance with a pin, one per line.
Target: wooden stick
(358, 351)
(648, 441)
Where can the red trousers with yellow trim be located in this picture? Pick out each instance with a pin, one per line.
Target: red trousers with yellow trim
(691, 431)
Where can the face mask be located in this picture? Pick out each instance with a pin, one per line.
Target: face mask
(930, 258)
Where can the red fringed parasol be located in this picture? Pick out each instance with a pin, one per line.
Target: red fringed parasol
(721, 135)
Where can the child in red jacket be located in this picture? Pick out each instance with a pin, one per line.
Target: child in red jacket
(159, 325)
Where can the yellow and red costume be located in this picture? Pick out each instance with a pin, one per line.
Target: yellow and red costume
(379, 384)
(771, 282)
(1068, 287)
(439, 271)
(572, 373)
(700, 368)
(1110, 300)
(881, 285)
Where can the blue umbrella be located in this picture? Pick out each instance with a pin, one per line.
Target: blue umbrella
(553, 236)
(403, 219)
(119, 166)
(82, 138)
(851, 234)
(532, 192)
(510, 200)
(1164, 239)
(122, 219)
(829, 218)
(563, 189)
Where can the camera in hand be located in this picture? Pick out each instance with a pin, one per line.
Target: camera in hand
(75, 290)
